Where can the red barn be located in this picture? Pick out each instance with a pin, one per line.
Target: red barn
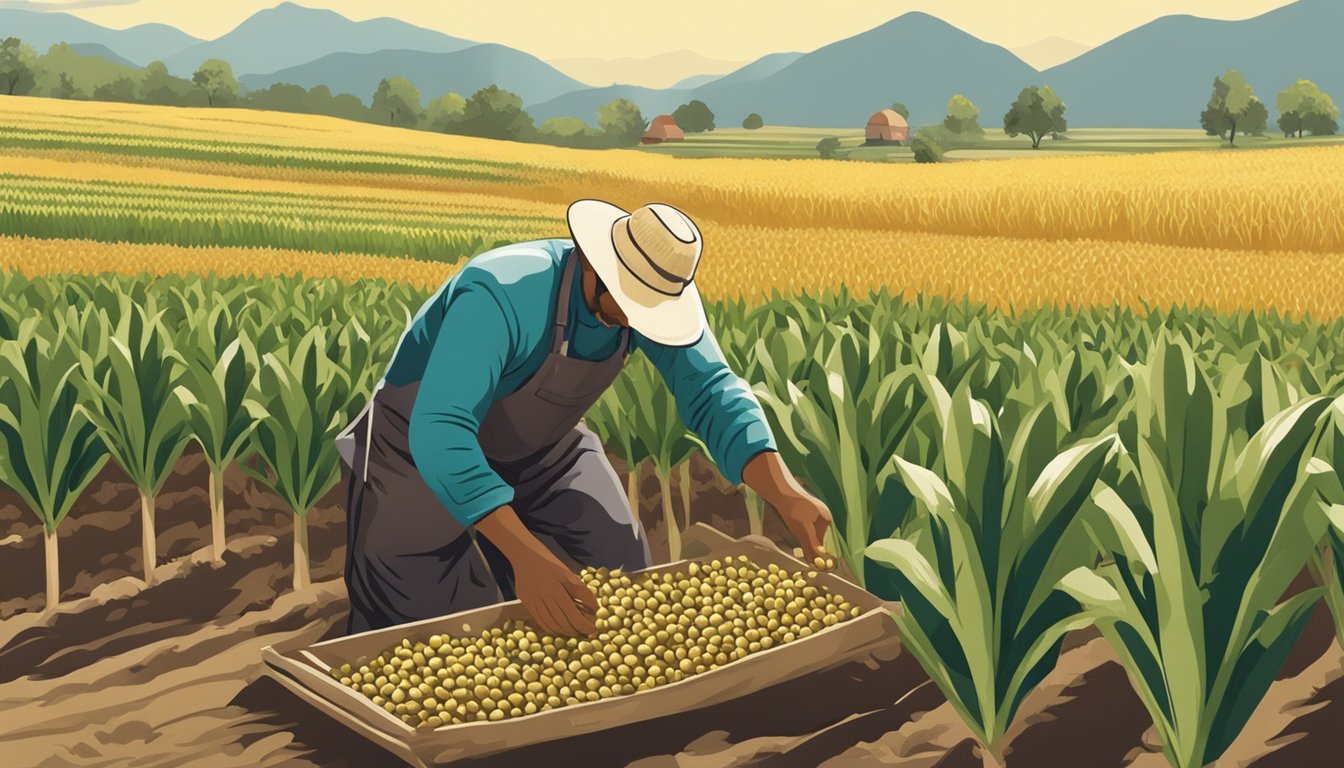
(886, 127)
(663, 128)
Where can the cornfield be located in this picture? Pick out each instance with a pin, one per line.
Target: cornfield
(1128, 411)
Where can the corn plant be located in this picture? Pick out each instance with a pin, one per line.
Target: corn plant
(612, 417)
(976, 569)
(136, 401)
(1328, 563)
(307, 398)
(49, 450)
(1230, 526)
(663, 433)
(839, 428)
(219, 387)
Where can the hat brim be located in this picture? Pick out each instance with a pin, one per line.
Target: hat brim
(674, 321)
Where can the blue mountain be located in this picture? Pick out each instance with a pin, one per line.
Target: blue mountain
(583, 103)
(915, 58)
(102, 52)
(140, 44)
(763, 67)
(434, 74)
(1161, 74)
(289, 34)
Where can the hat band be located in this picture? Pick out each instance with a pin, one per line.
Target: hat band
(651, 275)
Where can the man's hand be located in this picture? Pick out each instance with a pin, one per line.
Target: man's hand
(806, 517)
(553, 595)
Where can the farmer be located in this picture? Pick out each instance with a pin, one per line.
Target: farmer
(472, 478)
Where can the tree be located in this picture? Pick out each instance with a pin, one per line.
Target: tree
(398, 100)
(1302, 107)
(16, 67)
(66, 88)
(121, 89)
(344, 105)
(563, 126)
(828, 148)
(443, 112)
(1028, 116)
(281, 97)
(963, 116)
(157, 86)
(621, 122)
(495, 113)
(752, 122)
(900, 109)
(1232, 107)
(215, 78)
(1055, 107)
(926, 150)
(694, 117)
(571, 132)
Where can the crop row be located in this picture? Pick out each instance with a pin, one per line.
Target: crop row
(1225, 200)
(758, 264)
(1162, 475)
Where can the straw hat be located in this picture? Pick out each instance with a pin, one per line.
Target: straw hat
(647, 259)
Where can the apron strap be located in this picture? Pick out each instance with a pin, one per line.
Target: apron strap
(559, 343)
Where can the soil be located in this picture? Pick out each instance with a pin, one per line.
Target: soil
(127, 675)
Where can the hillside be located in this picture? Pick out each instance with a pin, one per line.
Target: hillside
(1161, 74)
(434, 74)
(916, 59)
(140, 44)
(267, 41)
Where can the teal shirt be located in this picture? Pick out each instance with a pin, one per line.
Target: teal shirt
(488, 330)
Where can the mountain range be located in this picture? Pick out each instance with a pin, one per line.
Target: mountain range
(1158, 75)
(434, 74)
(663, 70)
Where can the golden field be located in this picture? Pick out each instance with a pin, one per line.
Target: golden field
(1227, 229)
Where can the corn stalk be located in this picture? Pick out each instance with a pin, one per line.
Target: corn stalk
(1230, 527)
(997, 525)
(661, 431)
(1328, 563)
(838, 422)
(307, 397)
(612, 417)
(134, 375)
(49, 450)
(219, 388)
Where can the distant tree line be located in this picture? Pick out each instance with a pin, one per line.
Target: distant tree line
(1234, 108)
(491, 112)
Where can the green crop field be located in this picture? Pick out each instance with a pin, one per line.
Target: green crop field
(785, 142)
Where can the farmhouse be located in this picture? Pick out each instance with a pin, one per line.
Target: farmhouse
(886, 127)
(663, 128)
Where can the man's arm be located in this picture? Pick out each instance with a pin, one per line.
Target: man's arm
(718, 405)
(459, 384)
(806, 516)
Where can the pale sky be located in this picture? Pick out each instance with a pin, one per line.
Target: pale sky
(724, 29)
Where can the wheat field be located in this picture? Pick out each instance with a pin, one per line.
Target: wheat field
(137, 188)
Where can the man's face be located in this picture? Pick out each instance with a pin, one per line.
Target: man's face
(599, 300)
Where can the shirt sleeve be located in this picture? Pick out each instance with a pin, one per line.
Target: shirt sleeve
(456, 390)
(714, 402)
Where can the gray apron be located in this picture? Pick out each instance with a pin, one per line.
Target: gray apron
(408, 559)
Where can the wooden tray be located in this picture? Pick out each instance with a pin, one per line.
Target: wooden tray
(304, 670)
